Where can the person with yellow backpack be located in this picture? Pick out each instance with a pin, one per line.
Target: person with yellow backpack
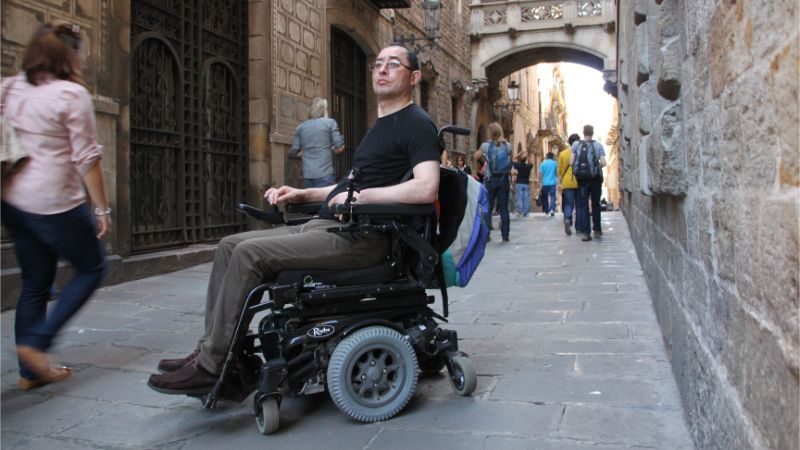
(567, 183)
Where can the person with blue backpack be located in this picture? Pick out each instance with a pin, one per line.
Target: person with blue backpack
(498, 175)
(549, 180)
(587, 160)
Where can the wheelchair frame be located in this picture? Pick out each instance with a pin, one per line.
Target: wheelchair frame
(365, 344)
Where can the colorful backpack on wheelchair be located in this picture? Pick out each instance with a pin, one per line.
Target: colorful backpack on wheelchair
(462, 232)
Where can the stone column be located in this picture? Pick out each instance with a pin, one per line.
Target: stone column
(260, 82)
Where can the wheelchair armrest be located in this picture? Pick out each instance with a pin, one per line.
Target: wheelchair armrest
(303, 208)
(385, 209)
(274, 217)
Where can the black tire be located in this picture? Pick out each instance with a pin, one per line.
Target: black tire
(268, 417)
(463, 377)
(372, 374)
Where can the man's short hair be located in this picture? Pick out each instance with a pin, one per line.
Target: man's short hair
(413, 62)
(549, 155)
(588, 130)
(573, 137)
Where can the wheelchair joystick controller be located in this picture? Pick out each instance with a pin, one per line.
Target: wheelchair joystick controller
(352, 178)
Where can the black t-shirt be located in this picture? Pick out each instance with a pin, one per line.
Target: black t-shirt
(392, 147)
(523, 172)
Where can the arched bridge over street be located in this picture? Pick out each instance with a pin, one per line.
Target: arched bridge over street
(510, 35)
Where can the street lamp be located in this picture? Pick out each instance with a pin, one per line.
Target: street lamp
(432, 12)
(432, 16)
(507, 109)
(513, 92)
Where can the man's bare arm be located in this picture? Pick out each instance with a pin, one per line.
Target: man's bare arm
(423, 188)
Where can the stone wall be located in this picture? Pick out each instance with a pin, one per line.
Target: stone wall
(708, 95)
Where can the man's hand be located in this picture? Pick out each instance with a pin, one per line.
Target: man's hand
(341, 197)
(284, 194)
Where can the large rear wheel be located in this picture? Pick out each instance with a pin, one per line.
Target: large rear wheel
(372, 374)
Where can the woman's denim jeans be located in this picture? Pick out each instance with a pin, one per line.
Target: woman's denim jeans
(39, 242)
(523, 198)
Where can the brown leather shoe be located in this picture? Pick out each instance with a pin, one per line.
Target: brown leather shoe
(171, 365)
(191, 379)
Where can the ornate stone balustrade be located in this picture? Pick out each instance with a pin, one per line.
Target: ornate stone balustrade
(521, 15)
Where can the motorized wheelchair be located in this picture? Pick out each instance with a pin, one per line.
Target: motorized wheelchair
(363, 335)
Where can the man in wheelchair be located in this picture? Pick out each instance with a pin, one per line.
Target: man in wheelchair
(403, 140)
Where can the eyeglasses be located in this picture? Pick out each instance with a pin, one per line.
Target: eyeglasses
(392, 64)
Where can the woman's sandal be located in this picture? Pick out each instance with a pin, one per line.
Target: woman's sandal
(37, 362)
(57, 373)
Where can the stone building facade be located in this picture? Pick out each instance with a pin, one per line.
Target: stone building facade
(708, 98)
(197, 103)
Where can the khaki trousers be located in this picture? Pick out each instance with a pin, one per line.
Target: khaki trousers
(245, 260)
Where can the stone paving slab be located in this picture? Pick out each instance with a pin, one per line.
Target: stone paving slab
(562, 333)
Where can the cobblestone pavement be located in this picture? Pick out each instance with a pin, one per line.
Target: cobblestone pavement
(562, 333)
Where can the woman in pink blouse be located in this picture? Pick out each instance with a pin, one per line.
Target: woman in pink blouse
(44, 205)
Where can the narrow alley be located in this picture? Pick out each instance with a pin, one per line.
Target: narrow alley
(562, 332)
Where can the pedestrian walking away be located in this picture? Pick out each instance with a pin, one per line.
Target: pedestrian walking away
(549, 168)
(402, 139)
(498, 177)
(54, 206)
(587, 160)
(521, 172)
(567, 183)
(316, 140)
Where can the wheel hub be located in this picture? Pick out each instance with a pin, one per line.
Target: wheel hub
(376, 377)
(374, 374)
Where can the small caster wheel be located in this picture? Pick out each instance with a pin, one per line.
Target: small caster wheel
(268, 417)
(462, 376)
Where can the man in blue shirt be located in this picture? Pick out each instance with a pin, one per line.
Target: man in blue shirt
(549, 180)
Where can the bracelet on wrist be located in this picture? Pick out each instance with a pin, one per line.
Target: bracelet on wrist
(102, 212)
